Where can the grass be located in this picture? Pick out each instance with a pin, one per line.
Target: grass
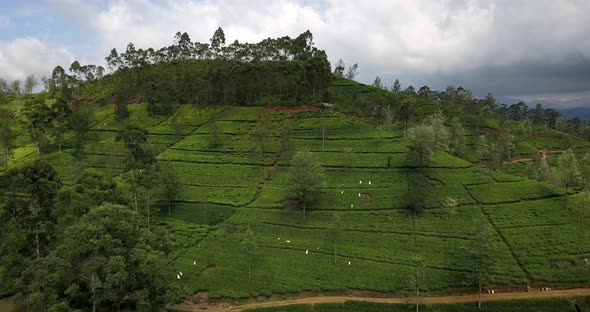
(512, 191)
(230, 187)
(552, 305)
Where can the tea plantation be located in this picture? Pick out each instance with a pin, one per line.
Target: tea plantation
(230, 187)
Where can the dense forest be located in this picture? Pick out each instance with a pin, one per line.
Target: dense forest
(285, 69)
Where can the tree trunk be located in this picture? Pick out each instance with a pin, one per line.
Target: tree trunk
(135, 199)
(93, 294)
(565, 198)
(417, 291)
(249, 269)
(148, 212)
(323, 136)
(405, 128)
(334, 255)
(303, 210)
(479, 300)
(169, 208)
(37, 244)
(414, 226)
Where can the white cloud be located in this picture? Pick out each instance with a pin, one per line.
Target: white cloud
(25, 56)
(418, 41)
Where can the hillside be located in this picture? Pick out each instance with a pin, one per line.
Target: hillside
(359, 235)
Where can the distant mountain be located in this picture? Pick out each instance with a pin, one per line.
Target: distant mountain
(580, 112)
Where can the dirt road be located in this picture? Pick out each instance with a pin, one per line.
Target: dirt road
(566, 293)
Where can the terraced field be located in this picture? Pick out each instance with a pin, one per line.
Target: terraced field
(367, 177)
(230, 187)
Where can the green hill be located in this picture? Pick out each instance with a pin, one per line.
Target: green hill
(233, 164)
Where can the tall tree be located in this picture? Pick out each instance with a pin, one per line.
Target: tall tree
(418, 193)
(567, 173)
(7, 135)
(339, 68)
(306, 178)
(381, 114)
(426, 139)
(377, 83)
(148, 182)
(61, 116)
(91, 271)
(171, 184)
(421, 145)
(505, 144)
(334, 235)
(261, 134)
(417, 282)
(482, 254)
(352, 71)
(249, 249)
(30, 84)
(215, 136)
(457, 138)
(39, 183)
(79, 123)
(38, 121)
(539, 115)
(135, 139)
(424, 92)
(218, 41)
(407, 111)
(397, 87)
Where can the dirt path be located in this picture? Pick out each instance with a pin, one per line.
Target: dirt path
(565, 293)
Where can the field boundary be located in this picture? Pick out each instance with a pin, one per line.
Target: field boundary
(464, 298)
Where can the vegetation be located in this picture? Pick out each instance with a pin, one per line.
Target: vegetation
(306, 178)
(172, 154)
(522, 305)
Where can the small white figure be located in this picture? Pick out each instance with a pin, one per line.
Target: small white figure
(341, 192)
(307, 251)
(194, 262)
(351, 205)
(288, 241)
(348, 262)
(177, 276)
(180, 273)
(369, 182)
(359, 194)
(361, 182)
(318, 248)
(279, 239)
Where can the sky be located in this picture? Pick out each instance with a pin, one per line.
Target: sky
(530, 50)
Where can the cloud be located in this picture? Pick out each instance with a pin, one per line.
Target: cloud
(506, 47)
(25, 56)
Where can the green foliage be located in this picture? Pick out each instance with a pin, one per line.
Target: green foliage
(28, 222)
(249, 249)
(457, 138)
(226, 189)
(548, 305)
(291, 70)
(482, 253)
(306, 178)
(171, 184)
(135, 139)
(426, 139)
(7, 135)
(90, 270)
(416, 197)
